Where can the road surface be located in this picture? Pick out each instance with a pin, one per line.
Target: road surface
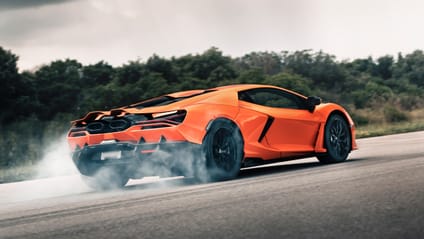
(377, 193)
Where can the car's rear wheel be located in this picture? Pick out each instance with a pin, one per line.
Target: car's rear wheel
(337, 140)
(106, 178)
(223, 150)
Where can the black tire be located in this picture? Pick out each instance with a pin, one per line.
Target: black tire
(106, 178)
(337, 140)
(223, 151)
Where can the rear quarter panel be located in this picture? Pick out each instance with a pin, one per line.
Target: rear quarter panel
(200, 115)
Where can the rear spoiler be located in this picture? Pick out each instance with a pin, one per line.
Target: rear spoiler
(96, 115)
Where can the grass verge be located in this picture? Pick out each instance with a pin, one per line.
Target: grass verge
(17, 173)
(386, 129)
(20, 173)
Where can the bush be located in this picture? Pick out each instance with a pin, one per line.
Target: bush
(393, 115)
(359, 119)
(290, 81)
(410, 102)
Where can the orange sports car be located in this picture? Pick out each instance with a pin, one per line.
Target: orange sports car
(208, 134)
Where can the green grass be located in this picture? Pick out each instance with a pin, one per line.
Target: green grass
(17, 173)
(20, 173)
(373, 130)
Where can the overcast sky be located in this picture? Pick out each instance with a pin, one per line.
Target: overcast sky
(40, 31)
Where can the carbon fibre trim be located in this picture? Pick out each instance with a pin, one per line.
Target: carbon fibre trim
(266, 128)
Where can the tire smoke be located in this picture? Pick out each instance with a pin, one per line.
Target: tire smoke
(55, 176)
(56, 160)
(180, 161)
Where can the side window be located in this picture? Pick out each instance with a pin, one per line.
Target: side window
(272, 98)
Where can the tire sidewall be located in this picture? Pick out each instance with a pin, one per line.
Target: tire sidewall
(215, 173)
(331, 156)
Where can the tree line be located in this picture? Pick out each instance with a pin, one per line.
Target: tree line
(37, 105)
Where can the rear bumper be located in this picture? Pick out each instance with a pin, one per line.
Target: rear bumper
(136, 160)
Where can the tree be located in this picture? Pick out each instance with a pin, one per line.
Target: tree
(8, 78)
(162, 66)
(58, 88)
(290, 81)
(16, 91)
(131, 72)
(211, 66)
(251, 76)
(100, 73)
(361, 66)
(372, 95)
(320, 67)
(411, 67)
(384, 66)
(269, 62)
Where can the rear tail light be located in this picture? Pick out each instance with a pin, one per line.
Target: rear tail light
(164, 119)
(175, 116)
(77, 132)
(109, 124)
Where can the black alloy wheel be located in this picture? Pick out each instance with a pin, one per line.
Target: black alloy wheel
(337, 140)
(223, 150)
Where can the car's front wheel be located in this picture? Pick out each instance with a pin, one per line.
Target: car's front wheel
(223, 150)
(337, 140)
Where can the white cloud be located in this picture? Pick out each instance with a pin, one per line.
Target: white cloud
(118, 31)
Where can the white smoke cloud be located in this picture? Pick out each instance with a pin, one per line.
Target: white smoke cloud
(56, 160)
(173, 163)
(57, 174)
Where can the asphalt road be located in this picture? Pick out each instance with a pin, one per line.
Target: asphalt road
(377, 193)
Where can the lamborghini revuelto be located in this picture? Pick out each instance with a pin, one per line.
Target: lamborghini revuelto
(212, 132)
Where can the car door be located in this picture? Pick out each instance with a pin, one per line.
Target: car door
(293, 128)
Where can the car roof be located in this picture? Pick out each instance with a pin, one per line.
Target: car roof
(236, 87)
(227, 94)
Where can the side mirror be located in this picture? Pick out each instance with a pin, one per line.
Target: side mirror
(312, 101)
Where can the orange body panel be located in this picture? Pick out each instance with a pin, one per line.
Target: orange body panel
(290, 132)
